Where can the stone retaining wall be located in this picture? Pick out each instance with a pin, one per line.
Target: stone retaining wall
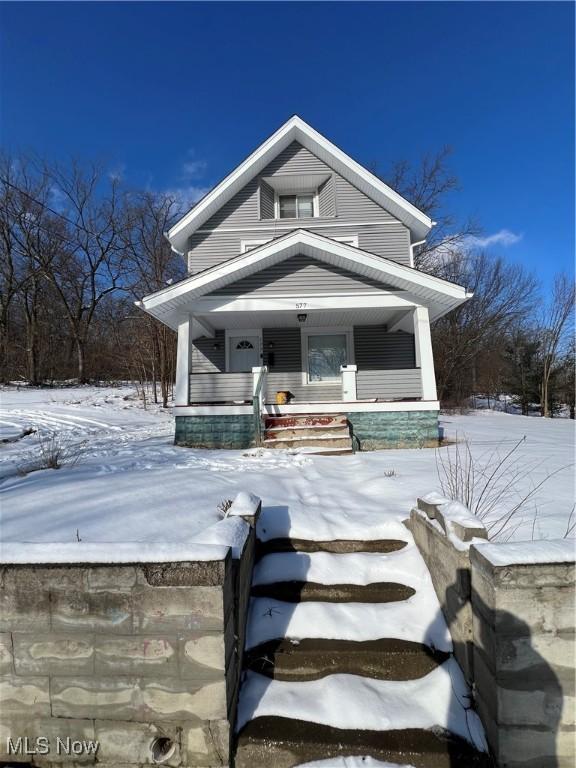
(512, 623)
(400, 429)
(226, 431)
(124, 654)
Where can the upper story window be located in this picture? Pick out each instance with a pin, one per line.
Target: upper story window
(296, 206)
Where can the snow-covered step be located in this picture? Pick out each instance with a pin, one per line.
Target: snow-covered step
(302, 591)
(323, 521)
(355, 707)
(311, 659)
(286, 743)
(404, 565)
(418, 619)
(340, 546)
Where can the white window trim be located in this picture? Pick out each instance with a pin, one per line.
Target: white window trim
(246, 245)
(232, 332)
(340, 330)
(348, 240)
(315, 204)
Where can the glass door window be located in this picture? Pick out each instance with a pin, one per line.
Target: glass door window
(326, 353)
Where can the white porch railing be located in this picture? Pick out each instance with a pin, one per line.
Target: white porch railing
(259, 387)
(258, 401)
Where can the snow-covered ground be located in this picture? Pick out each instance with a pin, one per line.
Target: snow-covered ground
(131, 484)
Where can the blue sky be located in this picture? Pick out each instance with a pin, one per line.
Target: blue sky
(174, 95)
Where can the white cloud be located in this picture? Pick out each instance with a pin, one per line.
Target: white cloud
(187, 195)
(503, 237)
(190, 187)
(193, 169)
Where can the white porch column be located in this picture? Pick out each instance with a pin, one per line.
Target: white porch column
(182, 388)
(424, 357)
(256, 370)
(348, 382)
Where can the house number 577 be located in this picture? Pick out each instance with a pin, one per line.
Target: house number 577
(301, 305)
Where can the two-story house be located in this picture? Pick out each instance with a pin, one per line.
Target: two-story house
(303, 320)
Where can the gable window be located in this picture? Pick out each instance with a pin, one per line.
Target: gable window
(296, 206)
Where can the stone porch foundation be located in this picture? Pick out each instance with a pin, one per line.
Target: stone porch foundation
(371, 430)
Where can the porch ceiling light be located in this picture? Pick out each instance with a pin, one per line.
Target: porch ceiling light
(302, 318)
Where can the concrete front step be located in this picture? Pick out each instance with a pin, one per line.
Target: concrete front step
(306, 421)
(303, 591)
(338, 546)
(285, 743)
(298, 433)
(312, 659)
(322, 441)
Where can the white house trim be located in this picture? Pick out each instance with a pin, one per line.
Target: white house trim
(302, 303)
(423, 352)
(183, 359)
(262, 226)
(439, 294)
(333, 407)
(295, 129)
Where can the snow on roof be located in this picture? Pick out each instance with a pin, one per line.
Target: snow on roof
(529, 552)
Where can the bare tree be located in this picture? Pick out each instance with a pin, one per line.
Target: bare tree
(556, 331)
(504, 295)
(30, 237)
(428, 186)
(153, 266)
(90, 264)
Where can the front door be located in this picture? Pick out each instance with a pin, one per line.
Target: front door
(244, 353)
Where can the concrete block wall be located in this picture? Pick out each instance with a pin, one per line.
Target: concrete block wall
(512, 623)
(524, 658)
(229, 431)
(449, 566)
(374, 430)
(123, 655)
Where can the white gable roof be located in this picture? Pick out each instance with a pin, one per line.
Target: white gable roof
(168, 304)
(295, 129)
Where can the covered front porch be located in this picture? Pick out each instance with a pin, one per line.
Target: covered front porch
(370, 355)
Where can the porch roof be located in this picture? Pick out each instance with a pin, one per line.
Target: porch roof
(440, 296)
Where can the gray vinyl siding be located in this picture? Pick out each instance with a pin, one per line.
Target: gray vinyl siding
(392, 241)
(266, 201)
(301, 275)
(302, 393)
(252, 209)
(220, 387)
(285, 353)
(206, 359)
(375, 349)
(327, 198)
(389, 385)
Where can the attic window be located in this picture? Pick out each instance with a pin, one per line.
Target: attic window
(295, 206)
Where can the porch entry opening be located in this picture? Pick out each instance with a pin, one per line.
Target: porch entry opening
(244, 353)
(326, 353)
